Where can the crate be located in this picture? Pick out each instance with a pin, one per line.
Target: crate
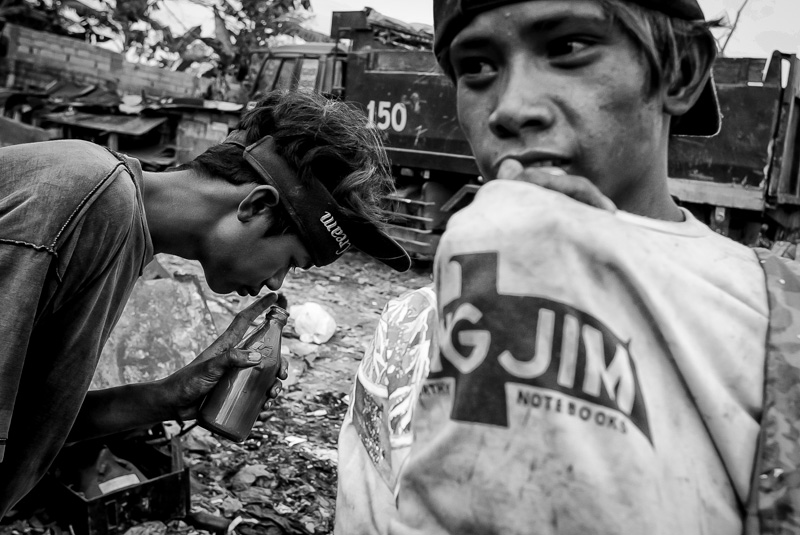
(164, 495)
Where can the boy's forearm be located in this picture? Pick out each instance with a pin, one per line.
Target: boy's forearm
(114, 410)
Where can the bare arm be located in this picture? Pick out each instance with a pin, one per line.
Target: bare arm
(178, 396)
(113, 410)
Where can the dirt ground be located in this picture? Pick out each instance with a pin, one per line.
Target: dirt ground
(282, 479)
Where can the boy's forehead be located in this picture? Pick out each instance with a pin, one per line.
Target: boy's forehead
(539, 15)
(451, 16)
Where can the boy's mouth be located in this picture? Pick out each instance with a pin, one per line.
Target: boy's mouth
(513, 165)
(555, 162)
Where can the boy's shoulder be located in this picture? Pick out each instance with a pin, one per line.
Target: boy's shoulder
(52, 183)
(66, 153)
(69, 163)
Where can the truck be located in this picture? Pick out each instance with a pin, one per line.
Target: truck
(744, 182)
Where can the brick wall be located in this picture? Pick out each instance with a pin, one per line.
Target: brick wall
(200, 130)
(36, 58)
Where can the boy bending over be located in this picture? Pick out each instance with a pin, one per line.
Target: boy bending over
(296, 184)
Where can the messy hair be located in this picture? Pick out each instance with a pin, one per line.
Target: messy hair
(322, 139)
(661, 39)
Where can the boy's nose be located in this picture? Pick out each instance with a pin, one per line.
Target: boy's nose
(524, 102)
(275, 282)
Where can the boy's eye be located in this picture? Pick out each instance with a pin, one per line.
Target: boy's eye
(562, 48)
(473, 66)
(474, 70)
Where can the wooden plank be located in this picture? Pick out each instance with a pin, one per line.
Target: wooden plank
(717, 194)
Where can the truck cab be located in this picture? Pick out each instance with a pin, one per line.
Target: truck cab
(316, 67)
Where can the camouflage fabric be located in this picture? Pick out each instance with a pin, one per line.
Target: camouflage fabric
(774, 505)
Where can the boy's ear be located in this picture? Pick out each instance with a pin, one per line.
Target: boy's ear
(258, 202)
(694, 70)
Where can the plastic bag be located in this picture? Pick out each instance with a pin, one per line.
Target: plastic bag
(313, 322)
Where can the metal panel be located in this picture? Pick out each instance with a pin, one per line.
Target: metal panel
(425, 159)
(740, 153)
(739, 70)
(429, 127)
(786, 186)
(403, 61)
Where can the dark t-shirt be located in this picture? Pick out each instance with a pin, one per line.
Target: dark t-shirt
(73, 241)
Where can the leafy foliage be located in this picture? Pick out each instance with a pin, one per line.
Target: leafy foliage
(261, 21)
(132, 23)
(39, 15)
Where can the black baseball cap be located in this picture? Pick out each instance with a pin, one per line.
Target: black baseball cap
(703, 119)
(317, 217)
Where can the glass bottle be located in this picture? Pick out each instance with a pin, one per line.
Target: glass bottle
(234, 404)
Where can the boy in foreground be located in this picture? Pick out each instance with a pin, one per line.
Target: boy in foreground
(601, 363)
(295, 185)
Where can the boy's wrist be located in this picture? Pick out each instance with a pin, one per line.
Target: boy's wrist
(155, 401)
(169, 404)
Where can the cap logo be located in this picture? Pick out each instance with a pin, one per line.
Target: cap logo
(336, 232)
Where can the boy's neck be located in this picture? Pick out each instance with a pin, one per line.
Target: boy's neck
(653, 204)
(647, 193)
(182, 209)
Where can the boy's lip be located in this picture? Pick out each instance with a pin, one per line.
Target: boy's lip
(536, 159)
(247, 290)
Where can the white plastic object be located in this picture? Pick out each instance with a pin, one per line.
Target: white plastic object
(313, 322)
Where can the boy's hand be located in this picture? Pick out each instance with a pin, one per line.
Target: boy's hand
(575, 187)
(185, 389)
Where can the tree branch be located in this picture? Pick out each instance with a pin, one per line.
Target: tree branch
(733, 28)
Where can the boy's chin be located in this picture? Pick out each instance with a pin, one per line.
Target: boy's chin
(219, 287)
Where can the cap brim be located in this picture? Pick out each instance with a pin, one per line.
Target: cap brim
(704, 118)
(369, 239)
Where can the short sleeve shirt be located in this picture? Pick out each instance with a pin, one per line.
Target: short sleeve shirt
(73, 241)
(597, 373)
